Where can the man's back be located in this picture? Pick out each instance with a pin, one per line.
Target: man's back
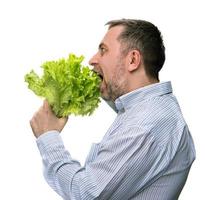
(170, 184)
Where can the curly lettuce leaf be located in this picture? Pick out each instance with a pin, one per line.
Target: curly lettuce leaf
(69, 87)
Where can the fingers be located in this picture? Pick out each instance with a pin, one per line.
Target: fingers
(44, 120)
(63, 120)
(34, 125)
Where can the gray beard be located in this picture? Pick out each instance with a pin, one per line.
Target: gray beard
(117, 86)
(115, 90)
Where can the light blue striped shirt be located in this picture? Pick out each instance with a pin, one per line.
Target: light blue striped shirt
(145, 155)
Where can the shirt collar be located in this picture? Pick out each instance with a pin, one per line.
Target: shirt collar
(157, 89)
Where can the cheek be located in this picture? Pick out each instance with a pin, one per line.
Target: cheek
(108, 74)
(109, 67)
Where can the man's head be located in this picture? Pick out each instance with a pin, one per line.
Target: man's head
(130, 55)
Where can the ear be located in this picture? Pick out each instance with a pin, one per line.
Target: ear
(133, 60)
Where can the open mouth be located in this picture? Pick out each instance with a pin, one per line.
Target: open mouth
(101, 77)
(99, 74)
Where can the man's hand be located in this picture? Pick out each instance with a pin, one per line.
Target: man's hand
(44, 120)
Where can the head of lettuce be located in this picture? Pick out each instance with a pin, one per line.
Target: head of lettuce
(69, 87)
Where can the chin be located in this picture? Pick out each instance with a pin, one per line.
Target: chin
(105, 96)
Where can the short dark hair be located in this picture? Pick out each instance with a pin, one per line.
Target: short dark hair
(146, 38)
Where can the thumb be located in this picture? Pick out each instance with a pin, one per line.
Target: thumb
(46, 105)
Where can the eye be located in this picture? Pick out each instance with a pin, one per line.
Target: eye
(102, 50)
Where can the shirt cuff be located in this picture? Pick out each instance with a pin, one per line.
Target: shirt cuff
(49, 141)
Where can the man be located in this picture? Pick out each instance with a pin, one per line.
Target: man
(148, 151)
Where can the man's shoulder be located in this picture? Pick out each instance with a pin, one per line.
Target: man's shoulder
(158, 112)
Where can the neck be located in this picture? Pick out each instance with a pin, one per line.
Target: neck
(139, 82)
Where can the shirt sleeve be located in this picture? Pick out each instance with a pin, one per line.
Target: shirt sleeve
(124, 164)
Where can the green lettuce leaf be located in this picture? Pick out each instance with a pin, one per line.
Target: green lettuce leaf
(69, 87)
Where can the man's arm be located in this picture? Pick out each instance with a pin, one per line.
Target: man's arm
(129, 158)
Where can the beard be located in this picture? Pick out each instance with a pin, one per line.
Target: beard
(117, 85)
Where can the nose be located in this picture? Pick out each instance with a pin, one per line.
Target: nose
(94, 60)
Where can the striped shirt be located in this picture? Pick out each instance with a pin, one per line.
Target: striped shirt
(146, 154)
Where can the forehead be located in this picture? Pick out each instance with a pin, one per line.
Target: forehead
(112, 35)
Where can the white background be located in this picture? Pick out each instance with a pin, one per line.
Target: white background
(32, 32)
